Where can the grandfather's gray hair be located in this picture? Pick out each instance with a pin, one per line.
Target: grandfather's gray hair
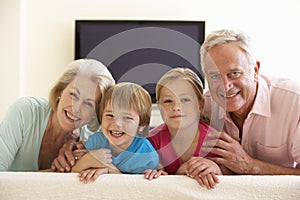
(224, 36)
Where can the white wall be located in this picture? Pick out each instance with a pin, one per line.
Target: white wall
(9, 53)
(37, 37)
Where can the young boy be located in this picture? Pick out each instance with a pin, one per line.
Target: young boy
(120, 146)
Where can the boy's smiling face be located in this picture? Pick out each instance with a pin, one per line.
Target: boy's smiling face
(119, 125)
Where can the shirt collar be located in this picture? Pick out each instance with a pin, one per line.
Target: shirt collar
(262, 103)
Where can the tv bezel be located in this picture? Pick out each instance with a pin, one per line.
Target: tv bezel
(200, 24)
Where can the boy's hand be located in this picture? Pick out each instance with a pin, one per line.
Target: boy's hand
(153, 174)
(100, 158)
(90, 175)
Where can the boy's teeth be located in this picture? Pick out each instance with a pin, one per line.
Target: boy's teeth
(116, 133)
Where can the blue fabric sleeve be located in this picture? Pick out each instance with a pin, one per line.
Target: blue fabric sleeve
(96, 141)
(137, 158)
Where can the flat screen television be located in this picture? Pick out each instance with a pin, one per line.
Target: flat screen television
(141, 51)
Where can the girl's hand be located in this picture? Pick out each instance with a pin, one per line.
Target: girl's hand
(198, 166)
(153, 174)
(90, 175)
(182, 170)
(204, 171)
(210, 181)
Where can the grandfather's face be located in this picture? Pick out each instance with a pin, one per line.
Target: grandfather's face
(231, 79)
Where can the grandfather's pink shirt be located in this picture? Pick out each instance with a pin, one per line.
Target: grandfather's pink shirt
(271, 131)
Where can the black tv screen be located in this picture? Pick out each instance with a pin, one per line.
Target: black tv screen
(141, 51)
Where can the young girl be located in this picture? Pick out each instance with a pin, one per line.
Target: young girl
(120, 146)
(178, 141)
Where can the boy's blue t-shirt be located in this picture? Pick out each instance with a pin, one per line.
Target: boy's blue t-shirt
(138, 157)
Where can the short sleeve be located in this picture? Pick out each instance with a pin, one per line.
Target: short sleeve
(138, 157)
(96, 141)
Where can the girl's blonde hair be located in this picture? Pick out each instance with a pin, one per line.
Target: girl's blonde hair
(183, 74)
(128, 95)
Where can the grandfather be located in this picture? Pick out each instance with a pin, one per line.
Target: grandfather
(260, 114)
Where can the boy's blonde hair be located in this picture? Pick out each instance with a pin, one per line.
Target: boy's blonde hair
(128, 95)
(191, 77)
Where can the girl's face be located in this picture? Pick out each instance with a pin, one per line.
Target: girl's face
(179, 105)
(119, 125)
(76, 106)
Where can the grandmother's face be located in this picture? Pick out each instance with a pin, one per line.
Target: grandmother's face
(77, 103)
